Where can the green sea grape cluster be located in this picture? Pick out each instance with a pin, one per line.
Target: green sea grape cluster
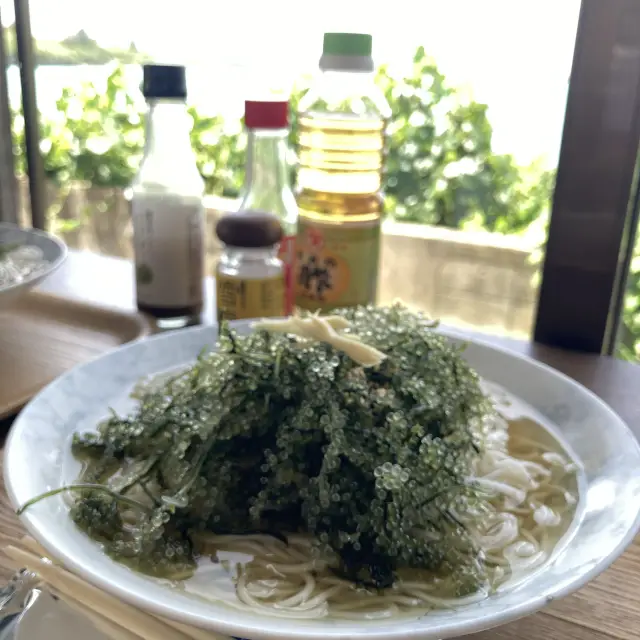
(275, 434)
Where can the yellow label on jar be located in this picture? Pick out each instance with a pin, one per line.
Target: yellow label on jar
(239, 298)
(336, 264)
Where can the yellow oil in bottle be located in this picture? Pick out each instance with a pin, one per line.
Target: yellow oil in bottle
(340, 210)
(341, 142)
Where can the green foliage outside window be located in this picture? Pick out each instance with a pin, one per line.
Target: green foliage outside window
(440, 167)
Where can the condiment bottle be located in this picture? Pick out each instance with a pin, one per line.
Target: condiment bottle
(166, 205)
(250, 277)
(267, 185)
(341, 141)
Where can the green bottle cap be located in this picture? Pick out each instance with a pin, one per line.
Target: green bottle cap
(346, 52)
(347, 44)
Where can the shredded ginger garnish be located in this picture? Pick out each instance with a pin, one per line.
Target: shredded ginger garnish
(325, 329)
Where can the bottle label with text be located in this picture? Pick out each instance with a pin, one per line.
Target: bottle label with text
(336, 264)
(240, 298)
(169, 251)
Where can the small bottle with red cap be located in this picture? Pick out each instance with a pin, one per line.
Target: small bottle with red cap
(267, 185)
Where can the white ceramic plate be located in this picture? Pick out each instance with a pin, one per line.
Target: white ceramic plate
(38, 459)
(54, 251)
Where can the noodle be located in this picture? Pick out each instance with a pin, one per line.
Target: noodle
(531, 508)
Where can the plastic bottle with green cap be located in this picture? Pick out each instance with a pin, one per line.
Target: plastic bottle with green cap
(341, 149)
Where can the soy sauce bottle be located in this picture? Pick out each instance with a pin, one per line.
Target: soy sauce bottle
(166, 206)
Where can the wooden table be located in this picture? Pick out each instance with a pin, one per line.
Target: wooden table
(607, 608)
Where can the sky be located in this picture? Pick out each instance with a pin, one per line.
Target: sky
(290, 31)
(515, 55)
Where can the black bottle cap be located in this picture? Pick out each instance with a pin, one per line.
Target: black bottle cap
(249, 229)
(164, 81)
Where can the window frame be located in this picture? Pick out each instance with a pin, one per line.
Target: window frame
(592, 224)
(8, 187)
(35, 164)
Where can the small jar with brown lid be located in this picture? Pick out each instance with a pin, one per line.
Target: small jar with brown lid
(249, 276)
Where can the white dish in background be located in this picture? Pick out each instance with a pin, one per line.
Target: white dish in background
(37, 459)
(54, 251)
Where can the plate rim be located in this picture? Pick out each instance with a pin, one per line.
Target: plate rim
(445, 629)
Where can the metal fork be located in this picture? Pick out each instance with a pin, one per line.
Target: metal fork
(15, 598)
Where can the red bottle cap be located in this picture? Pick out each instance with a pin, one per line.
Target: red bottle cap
(266, 115)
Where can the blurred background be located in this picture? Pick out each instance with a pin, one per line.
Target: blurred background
(478, 90)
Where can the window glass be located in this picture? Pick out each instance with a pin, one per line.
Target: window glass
(478, 90)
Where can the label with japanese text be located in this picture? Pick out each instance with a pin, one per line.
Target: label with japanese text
(336, 264)
(169, 249)
(240, 298)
